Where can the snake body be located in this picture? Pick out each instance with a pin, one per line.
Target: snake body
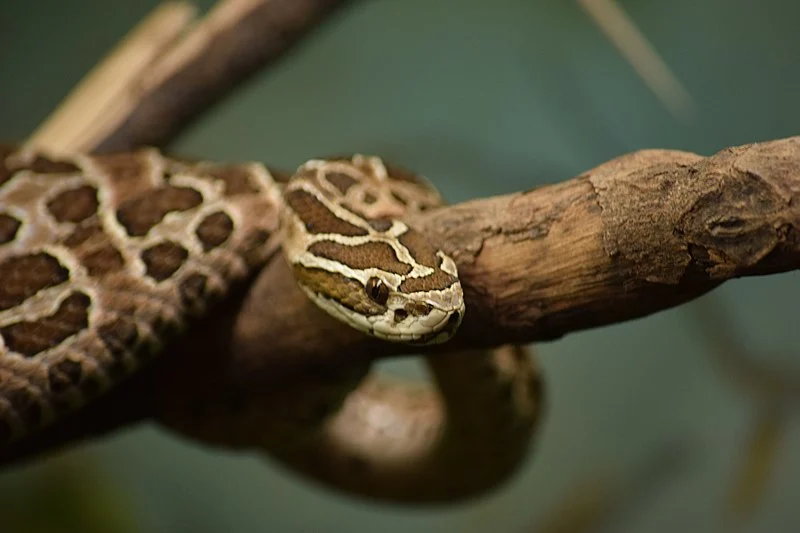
(105, 258)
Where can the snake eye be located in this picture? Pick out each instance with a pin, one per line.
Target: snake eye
(377, 290)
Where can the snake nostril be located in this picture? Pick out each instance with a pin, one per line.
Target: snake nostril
(400, 315)
(454, 319)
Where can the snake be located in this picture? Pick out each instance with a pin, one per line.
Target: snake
(107, 258)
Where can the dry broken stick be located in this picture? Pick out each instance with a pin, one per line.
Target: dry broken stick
(636, 235)
(169, 84)
(108, 91)
(228, 50)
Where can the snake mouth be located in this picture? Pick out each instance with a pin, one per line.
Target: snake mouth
(440, 331)
(443, 331)
(436, 327)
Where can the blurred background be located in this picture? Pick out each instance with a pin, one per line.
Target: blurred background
(650, 426)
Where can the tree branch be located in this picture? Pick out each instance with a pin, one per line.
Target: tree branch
(168, 83)
(641, 233)
(237, 40)
(153, 88)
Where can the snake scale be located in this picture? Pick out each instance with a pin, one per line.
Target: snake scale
(105, 258)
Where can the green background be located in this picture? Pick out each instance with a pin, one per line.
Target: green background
(483, 98)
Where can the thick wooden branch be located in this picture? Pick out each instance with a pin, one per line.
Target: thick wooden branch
(636, 235)
(639, 234)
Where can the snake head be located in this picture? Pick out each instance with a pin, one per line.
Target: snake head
(422, 307)
(358, 261)
(419, 310)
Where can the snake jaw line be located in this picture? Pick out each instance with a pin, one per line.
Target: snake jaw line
(436, 327)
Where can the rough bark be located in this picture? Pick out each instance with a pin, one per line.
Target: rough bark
(641, 233)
